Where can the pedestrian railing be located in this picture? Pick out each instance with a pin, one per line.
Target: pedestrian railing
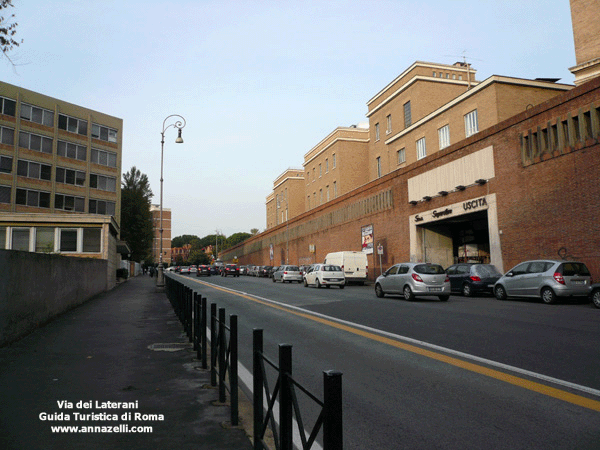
(191, 309)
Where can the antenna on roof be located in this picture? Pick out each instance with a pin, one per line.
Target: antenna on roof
(464, 63)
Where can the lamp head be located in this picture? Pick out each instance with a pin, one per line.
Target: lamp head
(179, 139)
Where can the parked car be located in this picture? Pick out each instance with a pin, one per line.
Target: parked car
(230, 270)
(272, 270)
(193, 270)
(472, 278)
(203, 269)
(324, 275)
(263, 271)
(414, 279)
(215, 270)
(545, 279)
(243, 270)
(185, 270)
(287, 273)
(354, 265)
(595, 295)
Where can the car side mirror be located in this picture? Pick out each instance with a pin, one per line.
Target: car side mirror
(510, 274)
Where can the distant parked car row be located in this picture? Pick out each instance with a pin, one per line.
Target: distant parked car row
(547, 280)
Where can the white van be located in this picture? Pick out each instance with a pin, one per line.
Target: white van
(353, 264)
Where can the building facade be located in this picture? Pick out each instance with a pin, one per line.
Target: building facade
(166, 235)
(60, 167)
(584, 14)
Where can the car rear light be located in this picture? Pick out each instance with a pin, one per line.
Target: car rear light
(285, 272)
(417, 277)
(447, 280)
(559, 278)
(474, 278)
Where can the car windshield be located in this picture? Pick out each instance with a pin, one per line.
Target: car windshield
(330, 268)
(486, 270)
(572, 269)
(293, 268)
(429, 269)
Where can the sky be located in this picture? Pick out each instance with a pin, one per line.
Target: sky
(259, 83)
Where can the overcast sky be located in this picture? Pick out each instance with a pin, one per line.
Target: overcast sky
(259, 83)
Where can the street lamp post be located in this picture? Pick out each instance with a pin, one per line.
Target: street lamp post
(179, 123)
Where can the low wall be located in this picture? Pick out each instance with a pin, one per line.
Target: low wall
(35, 287)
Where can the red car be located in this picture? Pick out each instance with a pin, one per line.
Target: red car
(230, 269)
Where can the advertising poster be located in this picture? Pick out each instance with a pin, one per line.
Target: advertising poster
(367, 239)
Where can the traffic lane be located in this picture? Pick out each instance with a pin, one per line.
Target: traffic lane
(558, 341)
(392, 396)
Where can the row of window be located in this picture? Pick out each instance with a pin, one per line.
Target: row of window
(51, 239)
(41, 199)
(447, 75)
(314, 171)
(314, 202)
(46, 117)
(40, 171)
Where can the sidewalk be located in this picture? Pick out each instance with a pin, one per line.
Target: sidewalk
(97, 356)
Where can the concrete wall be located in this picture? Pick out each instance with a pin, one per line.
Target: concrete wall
(35, 287)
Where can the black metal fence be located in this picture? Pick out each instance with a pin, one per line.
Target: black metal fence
(191, 309)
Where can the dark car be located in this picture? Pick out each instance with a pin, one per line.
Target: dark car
(215, 270)
(230, 269)
(203, 269)
(473, 278)
(264, 271)
(272, 270)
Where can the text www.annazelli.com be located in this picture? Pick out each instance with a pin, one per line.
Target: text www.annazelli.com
(123, 428)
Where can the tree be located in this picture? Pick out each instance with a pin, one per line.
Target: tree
(236, 238)
(180, 241)
(254, 231)
(136, 218)
(8, 30)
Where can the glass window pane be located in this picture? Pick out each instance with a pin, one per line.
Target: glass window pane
(81, 153)
(72, 125)
(35, 143)
(82, 127)
(48, 118)
(96, 131)
(79, 204)
(24, 140)
(112, 135)
(2, 238)
(20, 239)
(71, 151)
(103, 158)
(33, 198)
(5, 194)
(79, 178)
(36, 115)
(104, 133)
(45, 172)
(6, 164)
(62, 121)
(34, 170)
(25, 111)
(59, 201)
(112, 160)
(70, 176)
(68, 240)
(110, 208)
(47, 145)
(91, 240)
(93, 206)
(22, 167)
(10, 109)
(93, 181)
(94, 156)
(44, 239)
(8, 136)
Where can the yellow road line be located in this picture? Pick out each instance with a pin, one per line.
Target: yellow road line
(502, 376)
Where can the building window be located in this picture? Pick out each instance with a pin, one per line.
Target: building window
(102, 207)
(70, 150)
(314, 174)
(103, 158)
(68, 240)
(320, 196)
(92, 240)
(37, 115)
(8, 107)
(378, 160)
(320, 171)
(421, 150)
(5, 194)
(434, 75)
(471, 124)
(20, 239)
(333, 160)
(6, 164)
(69, 203)
(70, 176)
(103, 183)
(326, 165)
(35, 170)
(308, 201)
(407, 115)
(104, 133)
(376, 131)
(35, 142)
(7, 135)
(72, 124)
(44, 239)
(389, 124)
(444, 135)
(401, 156)
(335, 189)
(30, 197)
(2, 238)
(327, 193)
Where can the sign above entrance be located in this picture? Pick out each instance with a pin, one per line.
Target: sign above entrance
(455, 209)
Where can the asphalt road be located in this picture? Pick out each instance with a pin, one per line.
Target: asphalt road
(470, 373)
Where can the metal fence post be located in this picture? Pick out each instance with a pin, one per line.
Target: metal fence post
(213, 344)
(233, 368)
(203, 332)
(196, 334)
(257, 382)
(332, 411)
(285, 397)
(222, 355)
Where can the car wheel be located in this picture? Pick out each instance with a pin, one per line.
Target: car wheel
(408, 293)
(443, 298)
(318, 284)
(378, 290)
(548, 296)
(466, 290)
(500, 293)
(305, 283)
(342, 287)
(328, 286)
(596, 298)
(274, 280)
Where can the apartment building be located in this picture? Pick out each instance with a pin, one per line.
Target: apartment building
(286, 200)
(60, 167)
(584, 17)
(166, 236)
(336, 165)
(432, 106)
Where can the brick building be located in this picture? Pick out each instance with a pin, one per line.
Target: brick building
(155, 211)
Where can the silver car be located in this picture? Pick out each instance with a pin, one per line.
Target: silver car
(414, 279)
(545, 279)
(287, 273)
(325, 275)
